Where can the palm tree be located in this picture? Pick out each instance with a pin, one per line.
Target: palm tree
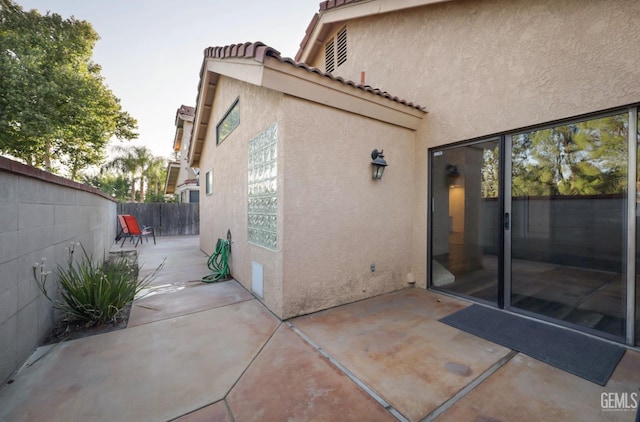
(154, 174)
(133, 161)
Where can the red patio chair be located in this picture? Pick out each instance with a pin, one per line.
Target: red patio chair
(135, 232)
(124, 231)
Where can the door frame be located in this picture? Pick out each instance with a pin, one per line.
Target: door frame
(505, 205)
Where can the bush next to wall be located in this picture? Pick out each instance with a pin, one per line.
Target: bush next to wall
(40, 215)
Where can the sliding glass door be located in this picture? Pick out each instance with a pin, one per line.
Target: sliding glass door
(567, 206)
(543, 222)
(466, 211)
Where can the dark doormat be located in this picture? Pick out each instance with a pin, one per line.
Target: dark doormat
(578, 354)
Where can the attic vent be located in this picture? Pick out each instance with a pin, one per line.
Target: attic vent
(329, 55)
(342, 46)
(335, 51)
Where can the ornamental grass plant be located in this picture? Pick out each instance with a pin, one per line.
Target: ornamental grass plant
(95, 293)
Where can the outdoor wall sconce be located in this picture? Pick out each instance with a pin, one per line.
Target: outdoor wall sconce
(452, 174)
(378, 163)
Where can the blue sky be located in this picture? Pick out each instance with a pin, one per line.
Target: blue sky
(151, 50)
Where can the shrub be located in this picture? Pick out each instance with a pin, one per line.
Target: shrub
(95, 293)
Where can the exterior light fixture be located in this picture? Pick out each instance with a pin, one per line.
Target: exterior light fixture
(378, 163)
(452, 175)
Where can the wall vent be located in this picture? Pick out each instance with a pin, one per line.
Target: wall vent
(329, 57)
(257, 278)
(342, 46)
(335, 51)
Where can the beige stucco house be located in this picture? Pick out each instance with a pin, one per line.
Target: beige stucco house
(182, 179)
(510, 133)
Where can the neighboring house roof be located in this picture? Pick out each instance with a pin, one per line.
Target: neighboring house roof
(238, 61)
(183, 114)
(188, 182)
(173, 170)
(334, 12)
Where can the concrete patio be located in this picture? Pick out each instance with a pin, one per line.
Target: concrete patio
(213, 352)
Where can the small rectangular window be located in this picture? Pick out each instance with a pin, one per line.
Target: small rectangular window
(209, 183)
(229, 122)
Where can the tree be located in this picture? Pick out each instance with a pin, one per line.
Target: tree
(490, 172)
(584, 158)
(155, 172)
(141, 166)
(116, 185)
(55, 109)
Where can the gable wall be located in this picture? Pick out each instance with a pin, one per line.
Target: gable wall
(482, 67)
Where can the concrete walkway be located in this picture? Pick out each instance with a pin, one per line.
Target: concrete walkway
(212, 352)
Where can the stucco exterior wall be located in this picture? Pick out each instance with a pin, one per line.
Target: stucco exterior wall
(226, 208)
(183, 154)
(40, 215)
(333, 219)
(483, 67)
(337, 219)
(185, 172)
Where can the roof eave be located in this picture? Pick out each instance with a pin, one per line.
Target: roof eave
(173, 170)
(177, 139)
(204, 104)
(297, 80)
(301, 83)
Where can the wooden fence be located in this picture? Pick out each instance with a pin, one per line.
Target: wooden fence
(166, 219)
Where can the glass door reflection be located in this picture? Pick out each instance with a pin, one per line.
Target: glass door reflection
(568, 211)
(466, 220)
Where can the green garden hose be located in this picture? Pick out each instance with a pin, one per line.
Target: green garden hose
(218, 262)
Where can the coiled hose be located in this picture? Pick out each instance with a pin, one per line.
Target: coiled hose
(218, 262)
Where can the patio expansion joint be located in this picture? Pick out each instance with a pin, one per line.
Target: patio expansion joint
(367, 390)
(224, 398)
(251, 363)
(194, 411)
(186, 313)
(469, 387)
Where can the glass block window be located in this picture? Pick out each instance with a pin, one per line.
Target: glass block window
(263, 188)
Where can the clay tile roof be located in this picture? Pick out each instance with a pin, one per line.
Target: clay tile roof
(260, 51)
(189, 111)
(256, 50)
(330, 4)
(182, 112)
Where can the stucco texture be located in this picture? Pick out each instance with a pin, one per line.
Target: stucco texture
(338, 220)
(226, 208)
(484, 67)
(333, 219)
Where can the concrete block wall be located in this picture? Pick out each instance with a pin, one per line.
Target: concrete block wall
(40, 215)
